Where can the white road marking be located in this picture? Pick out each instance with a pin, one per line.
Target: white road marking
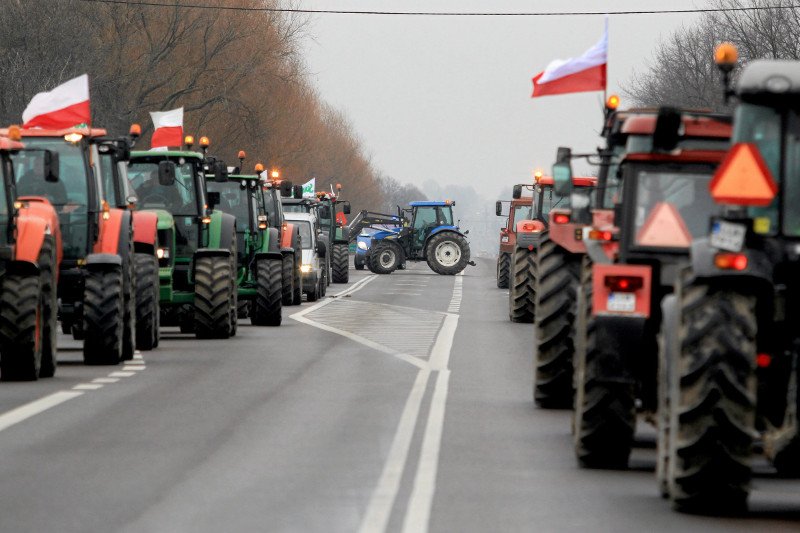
(35, 407)
(88, 386)
(121, 374)
(133, 367)
(105, 380)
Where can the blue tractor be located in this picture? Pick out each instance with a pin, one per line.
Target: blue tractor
(425, 232)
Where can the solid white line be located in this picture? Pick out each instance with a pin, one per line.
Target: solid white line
(87, 386)
(35, 407)
(382, 500)
(121, 374)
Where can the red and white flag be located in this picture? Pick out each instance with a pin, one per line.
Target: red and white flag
(576, 74)
(65, 106)
(168, 128)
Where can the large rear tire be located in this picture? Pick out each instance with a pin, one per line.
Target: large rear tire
(129, 303)
(103, 315)
(713, 400)
(522, 279)
(213, 298)
(297, 288)
(21, 316)
(147, 301)
(47, 267)
(447, 253)
(557, 283)
(287, 279)
(385, 257)
(341, 263)
(503, 269)
(267, 307)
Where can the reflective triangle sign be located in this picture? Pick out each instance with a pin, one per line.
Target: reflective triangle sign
(743, 178)
(665, 228)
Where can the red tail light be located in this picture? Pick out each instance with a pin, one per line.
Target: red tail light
(729, 261)
(597, 235)
(763, 360)
(624, 283)
(561, 218)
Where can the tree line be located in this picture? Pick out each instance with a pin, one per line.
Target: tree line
(240, 76)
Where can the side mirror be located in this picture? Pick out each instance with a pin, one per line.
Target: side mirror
(286, 189)
(51, 168)
(668, 129)
(516, 194)
(213, 199)
(498, 208)
(220, 172)
(346, 208)
(166, 173)
(298, 191)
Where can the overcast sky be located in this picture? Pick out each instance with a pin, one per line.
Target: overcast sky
(448, 98)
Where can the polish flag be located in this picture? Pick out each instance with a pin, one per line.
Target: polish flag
(65, 106)
(577, 74)
(168, 128)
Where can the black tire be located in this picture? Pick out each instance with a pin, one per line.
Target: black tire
(47, 267)
(713, 400)
(604, 412)
(341, 263)
(234, 295)
(358, 262)
(447, 253)
(557, 283)
(313, 294)
(667, 343)
(522, 274)
(503, 270)
(297, 288)
(21, 316)
(103, 314)
(287, 279)
(129, 303)
(385, 257)
(212, 297)
(147, 301)
(267, 307)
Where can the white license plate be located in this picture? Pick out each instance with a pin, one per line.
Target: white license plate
(728, 236)
(622, 302)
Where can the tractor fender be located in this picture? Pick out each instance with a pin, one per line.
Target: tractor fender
(757, 274)
(31, 231)
(342, 235)
(41, 207)
(274, 241)
(145, 231)
(99, 260)
(287, 235)
(212, 252)
(268, 255)
(111, 228)
(528, 233)
(221, 230)
(22, 267)
(440, 229)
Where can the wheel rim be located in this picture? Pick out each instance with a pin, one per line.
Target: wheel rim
(448, 254)
(386, 258)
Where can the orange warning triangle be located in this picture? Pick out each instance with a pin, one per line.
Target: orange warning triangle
(665, 228)
(743, 178)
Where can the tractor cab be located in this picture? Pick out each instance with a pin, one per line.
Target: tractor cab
(428, 218)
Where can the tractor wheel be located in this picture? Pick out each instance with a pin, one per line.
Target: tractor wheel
(385, 257)
(503, 269)
(358, 262)
(234, 294)
(47, 268)
(557, 283)
(287, 279)
(267, 307)
(713, 396)
(243, 309)
(341, 263)
(605, 412)
(313, 295)
(212, 297)
(147, 301)
(447, 253)
(129, 305)
(522, 276)
(297, 287)
(667, 344)
(21, 302)
(103, 314)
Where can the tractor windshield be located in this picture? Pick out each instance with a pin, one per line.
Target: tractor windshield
(69, 195)
(671, 206)
(550, 200)
(234, 200)
(522, 212)
(180, 199)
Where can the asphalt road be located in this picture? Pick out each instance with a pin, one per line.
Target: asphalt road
(400, 403)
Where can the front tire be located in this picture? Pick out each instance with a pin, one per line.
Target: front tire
(147, 301)
(503, 269)
(47, 266)
(213, 298)
(267, 307)
(103, 314)
(341, 263)
(447, 253)
(21, 316)
(385, 257)
(522, 276)
(287, 279)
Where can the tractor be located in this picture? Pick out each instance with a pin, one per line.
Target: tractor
(30, 255)
(197, 243)
(114, 157)
(530, 234)
(729, 350)
(333, 227)
(519, 209)
(273, 190)
(664, 174)
(259, 260)
(96, 274)
(426, 232)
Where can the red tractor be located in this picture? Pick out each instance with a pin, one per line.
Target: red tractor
(663, 204)
(729, 353)
(97, 268)
(519, 209)
(30, 255)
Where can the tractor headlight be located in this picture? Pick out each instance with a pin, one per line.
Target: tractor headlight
(305, 268)
(362, 245)
(162, 253)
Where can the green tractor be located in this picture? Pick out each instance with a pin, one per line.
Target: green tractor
(329, 212)
(197, 244)
(259, 260)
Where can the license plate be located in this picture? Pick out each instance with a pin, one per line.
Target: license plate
(622, 302)
(727, 236)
